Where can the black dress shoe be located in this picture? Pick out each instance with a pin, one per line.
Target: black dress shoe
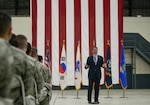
(89, 102)
(96, 102)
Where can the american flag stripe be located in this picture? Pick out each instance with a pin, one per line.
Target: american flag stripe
(62, 24)
(48, 29)
(34, 22)
(41, 26)
(114, 40)
(84, 39)
(77, 25)
(92, 26)
(106, 25)
(77, 20)
(100, 31)
(70, 41)
(120, 27)
(77, 29)
(55, 43)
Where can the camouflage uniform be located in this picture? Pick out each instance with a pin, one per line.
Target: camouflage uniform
(47, 78)
(4, 101)
(38, 78)
(37, 74)
(46, 73)
(22, 69)
(6, 65)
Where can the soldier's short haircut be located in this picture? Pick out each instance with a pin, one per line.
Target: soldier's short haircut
(11, 41)
(29, 49)
(5, 22)
(34, 52)
(40, 58)
(20, 41)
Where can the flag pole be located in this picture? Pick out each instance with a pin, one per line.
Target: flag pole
(62, 93)
(123, 94)
(108, 96)
(77, 94)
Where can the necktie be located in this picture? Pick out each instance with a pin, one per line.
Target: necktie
(95, 60)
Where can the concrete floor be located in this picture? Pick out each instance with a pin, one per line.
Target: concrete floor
(134, 97)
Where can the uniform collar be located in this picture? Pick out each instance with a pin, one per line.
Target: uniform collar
(3, 40)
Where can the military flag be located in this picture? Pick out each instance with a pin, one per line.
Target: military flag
(78, 69)
(108, 82)
(123, 77)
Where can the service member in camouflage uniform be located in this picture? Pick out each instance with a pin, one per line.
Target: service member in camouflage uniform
(6, 58)
(39, 81)
(6, 66)
(23, 69)
(45, 70)
(47, 79)
(44, 100)
(35, 68)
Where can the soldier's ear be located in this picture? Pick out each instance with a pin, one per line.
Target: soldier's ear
(10, 32)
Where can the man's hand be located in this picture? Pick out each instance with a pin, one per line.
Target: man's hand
(104, 65)
(86, 66)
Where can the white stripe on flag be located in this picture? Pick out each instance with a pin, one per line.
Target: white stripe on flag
(114, 41)
(100, 32)
(55, 44)
(70, 41)
(85, 39)
(40, 26)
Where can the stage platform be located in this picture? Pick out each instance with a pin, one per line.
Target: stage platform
(132, 97)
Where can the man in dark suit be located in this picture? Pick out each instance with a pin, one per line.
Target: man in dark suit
(94, 64)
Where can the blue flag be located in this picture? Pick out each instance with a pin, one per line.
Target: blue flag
(123, 77)
(108, 82)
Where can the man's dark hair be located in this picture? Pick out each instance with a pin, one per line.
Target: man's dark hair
(34, 52)
(20, 41)
(5, 22)
(40, 58)
(94, 47)
(29, 49)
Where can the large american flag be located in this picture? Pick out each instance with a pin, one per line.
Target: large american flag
(87, 21)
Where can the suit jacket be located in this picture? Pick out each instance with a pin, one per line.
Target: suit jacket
(94, 70)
